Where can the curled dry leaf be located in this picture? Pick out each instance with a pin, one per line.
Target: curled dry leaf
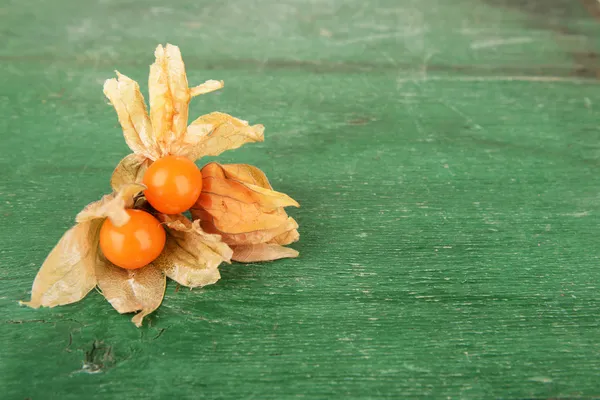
(262, 252)
(214, 133)
(246, 173)
(237, 206)
(231, 216)
(180, 92)
(238, 203)
(276, 235)
(256, 180)
(130, 169)
(169, 96)
(287, 237)
(67, 274)
(164, 130)
(191, 256)
(124, 94)
(207, 87)
(131, 290)
(161, 103)
(112, 205)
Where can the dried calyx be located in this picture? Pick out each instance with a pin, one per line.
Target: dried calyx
(236, 213)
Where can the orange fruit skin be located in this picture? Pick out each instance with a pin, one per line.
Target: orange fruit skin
(173, 184)
(135, 244)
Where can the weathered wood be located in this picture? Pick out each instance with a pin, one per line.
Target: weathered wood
(446, 155)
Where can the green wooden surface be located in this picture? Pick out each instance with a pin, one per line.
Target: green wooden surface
(446, 155)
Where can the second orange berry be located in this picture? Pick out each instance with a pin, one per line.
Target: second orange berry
(173, 184)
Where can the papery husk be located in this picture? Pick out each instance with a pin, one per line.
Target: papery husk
(191, 256)
(67, 275)
(232, 216)
(261, 252)
(214, 133)
(237, 206)
(253, 179)
(112, 205)
(178, 86)
(169, 99)
(164, 130)
(246, 173)
(261, 245)
(209, 86)
(130, 169)
(131, 290)
(169, 96)
(245, 192)
(283, 234)
(125, 96)
(238, 203)
(288, 237)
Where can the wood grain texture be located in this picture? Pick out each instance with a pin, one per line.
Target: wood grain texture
(447, 159)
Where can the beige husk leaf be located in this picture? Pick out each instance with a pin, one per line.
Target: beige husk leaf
(192, 256)
(238, 203)
(275, 235)
(131, 169)
(131, 290)
(112, 205)
(262, 252)
(285, 238)
(165, 131)
(67, 274)
(214, 133)
(125, 96)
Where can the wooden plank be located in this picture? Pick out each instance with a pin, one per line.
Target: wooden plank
(446, 158)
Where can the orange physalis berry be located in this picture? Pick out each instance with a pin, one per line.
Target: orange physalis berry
(173, 184)
(135, 244)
